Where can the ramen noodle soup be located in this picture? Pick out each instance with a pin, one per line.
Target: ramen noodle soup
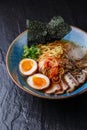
(61, 67)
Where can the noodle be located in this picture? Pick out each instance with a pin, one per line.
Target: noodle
(54, 49)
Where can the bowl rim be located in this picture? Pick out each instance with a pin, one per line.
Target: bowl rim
(29, 91)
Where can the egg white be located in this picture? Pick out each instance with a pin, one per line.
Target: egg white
(31, 84)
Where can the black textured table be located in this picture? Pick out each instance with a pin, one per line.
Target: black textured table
(19, 110)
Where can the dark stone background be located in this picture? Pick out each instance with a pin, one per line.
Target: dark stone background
(19, 110)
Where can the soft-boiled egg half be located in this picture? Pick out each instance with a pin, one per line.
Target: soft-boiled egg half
(27, 66)
(38, 81)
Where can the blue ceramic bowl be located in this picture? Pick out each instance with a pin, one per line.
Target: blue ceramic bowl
(14, 55)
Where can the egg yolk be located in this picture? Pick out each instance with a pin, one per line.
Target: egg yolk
(38, 81)
(27, 65)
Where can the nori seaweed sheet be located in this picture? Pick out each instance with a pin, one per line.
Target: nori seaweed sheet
(40, 32)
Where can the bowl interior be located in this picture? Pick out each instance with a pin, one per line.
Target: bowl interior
(14, 55)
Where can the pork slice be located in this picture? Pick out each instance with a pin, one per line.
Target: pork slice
(77, 53)
(59, 91)
(81, 77)
(64, 85)
(53, 88)
(71, 81)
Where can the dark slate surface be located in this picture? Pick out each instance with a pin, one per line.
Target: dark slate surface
(19, 110)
